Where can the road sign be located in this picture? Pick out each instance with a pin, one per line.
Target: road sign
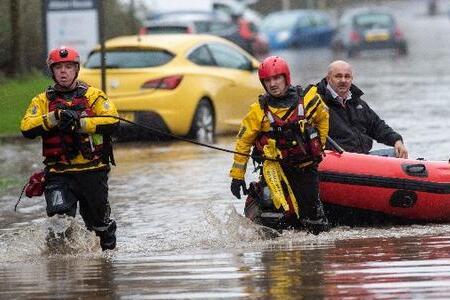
(72, 23)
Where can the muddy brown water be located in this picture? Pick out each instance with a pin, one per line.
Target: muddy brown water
(181, 234)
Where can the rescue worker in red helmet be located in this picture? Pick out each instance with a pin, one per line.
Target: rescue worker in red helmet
(77, 150)
(285, 113)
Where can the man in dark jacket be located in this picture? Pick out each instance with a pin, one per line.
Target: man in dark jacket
(353, 124)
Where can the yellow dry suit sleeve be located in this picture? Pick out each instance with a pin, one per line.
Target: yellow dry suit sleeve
(101, 106)
(317, 113)
(250, 127)
(37, 116)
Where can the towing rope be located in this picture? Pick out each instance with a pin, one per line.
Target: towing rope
(168, 134)
(177, 137)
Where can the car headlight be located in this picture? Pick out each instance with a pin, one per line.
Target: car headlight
(283, 36)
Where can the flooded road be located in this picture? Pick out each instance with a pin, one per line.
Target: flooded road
(181, 234)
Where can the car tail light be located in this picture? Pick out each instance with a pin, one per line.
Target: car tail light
(244, 29)
(355, 37)
(398, 34)
(143, 31)
(166, 83)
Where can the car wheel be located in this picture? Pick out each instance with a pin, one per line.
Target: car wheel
(403, 49)
(337, 46)
(203, 127)
(352, 52)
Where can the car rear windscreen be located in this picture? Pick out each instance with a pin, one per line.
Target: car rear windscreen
(130, 58)
(279, 22)
(370, 21)
(166, 29)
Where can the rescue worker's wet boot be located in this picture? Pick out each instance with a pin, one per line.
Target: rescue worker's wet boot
(108, 236)
(318, 224)
(59, 235)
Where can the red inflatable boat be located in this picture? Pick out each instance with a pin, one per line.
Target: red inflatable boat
(360, 189)
(415, 190)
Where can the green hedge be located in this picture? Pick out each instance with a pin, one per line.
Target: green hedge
(15, 95)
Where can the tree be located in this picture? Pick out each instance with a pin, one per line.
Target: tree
(23, 42)
(16, 63)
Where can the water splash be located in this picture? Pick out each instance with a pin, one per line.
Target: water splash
(64, 235)
(32, 242)
(220, 227)
(235, 227)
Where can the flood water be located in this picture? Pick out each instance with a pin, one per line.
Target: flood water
(181, 234)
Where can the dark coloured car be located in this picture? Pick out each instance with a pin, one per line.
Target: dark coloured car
(239, 31)
(368, 29)
(189, 23)
(301, 28)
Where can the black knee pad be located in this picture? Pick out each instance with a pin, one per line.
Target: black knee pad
(60, 200)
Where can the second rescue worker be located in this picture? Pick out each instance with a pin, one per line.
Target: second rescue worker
(293, 118)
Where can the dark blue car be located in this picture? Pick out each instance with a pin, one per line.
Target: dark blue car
(364, 29)
(301, 28)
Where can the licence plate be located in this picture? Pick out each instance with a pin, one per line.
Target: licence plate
(377, 37)
(127, 115)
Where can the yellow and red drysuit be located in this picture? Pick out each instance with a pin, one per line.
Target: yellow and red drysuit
(301, 174)
(77, 161)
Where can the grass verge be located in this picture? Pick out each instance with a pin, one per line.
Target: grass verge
(15, 96)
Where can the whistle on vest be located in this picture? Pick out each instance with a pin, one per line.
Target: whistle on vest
(293, 137)
(301, 125)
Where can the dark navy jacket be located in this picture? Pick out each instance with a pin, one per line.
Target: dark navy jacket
(355, 126)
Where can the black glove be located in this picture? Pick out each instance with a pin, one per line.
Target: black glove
(69, 120)
(236, 185)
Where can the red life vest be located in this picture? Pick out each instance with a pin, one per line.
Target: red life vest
(297, 140)
(58, 146)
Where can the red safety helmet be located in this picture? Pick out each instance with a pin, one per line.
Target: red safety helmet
(274, 65)
(62, 54)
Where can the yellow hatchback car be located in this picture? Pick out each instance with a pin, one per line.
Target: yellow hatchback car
(186, 84)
